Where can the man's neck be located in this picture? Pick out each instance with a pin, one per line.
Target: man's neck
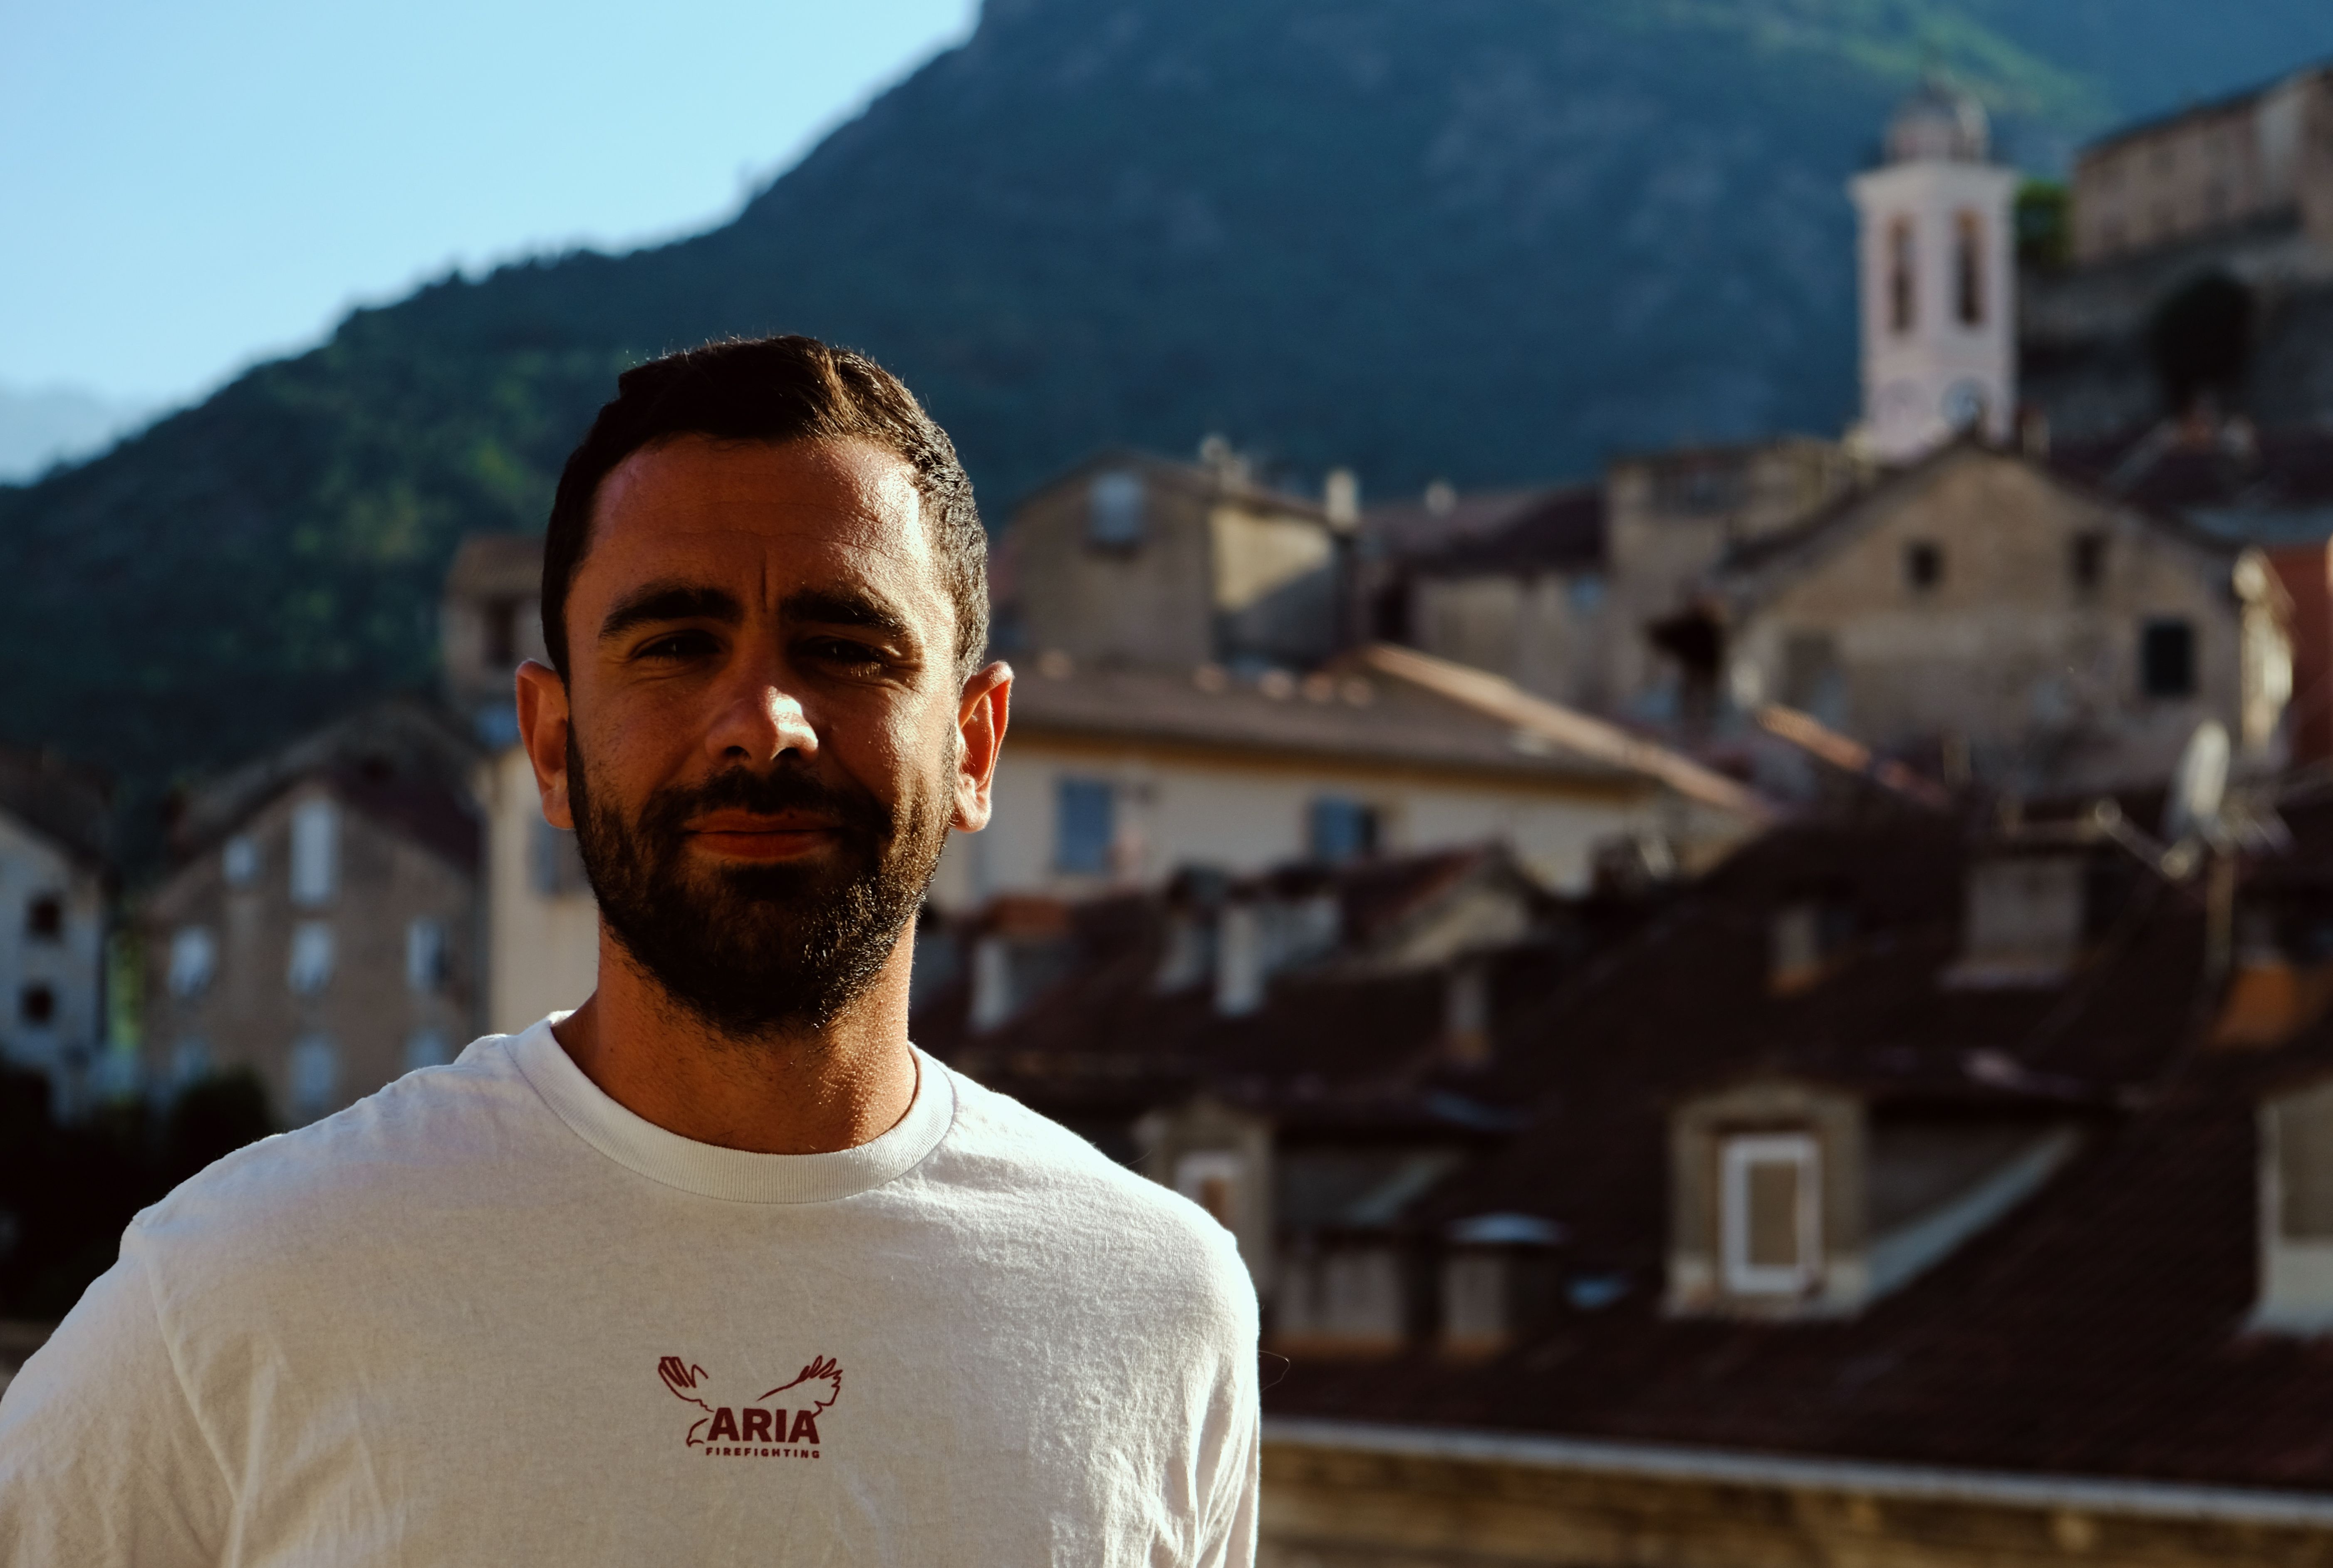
(811, 1094)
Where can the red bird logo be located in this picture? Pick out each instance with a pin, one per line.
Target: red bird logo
(819, 1382)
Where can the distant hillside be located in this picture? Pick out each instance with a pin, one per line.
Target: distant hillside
(1486, 239)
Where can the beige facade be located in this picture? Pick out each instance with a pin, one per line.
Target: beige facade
(326, 941)
(542, 924)
(1980, 602)
(1136, 561)
(52, 919)
(2268, 155)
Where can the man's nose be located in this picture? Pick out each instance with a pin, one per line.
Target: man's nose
(758, 722)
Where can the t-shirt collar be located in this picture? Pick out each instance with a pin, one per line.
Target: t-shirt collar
(739, 1175)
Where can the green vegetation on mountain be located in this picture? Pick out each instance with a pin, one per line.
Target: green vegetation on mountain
(1492, 240)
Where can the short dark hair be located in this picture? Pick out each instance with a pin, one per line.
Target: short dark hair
(773, 390)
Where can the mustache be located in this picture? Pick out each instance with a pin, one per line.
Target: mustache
(788, 788)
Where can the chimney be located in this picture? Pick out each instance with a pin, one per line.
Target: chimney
(1341, 497)
(992, 983)
(1467, 1013)
(1238, 961)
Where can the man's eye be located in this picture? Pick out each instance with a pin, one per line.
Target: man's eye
(843, 651)
(677, 645)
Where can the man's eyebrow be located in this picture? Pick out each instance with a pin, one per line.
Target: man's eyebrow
(826, 607)
(671, 601)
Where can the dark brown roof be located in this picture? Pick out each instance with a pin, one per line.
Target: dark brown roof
(2099, 1329)
(1473, 517)
(62, 801)
(1547, 530)
(2274, 487)
(496, 566)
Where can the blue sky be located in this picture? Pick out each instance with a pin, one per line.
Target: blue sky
(187, 189)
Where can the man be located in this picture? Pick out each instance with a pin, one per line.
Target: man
(717, 1267)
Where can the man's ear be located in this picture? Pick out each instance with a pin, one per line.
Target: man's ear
(543, 721)
(980, 721)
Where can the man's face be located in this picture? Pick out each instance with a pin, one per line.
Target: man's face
(766, 738)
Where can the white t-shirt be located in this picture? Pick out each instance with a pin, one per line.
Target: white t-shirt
(489, 1315)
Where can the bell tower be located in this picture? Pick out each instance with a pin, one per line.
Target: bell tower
(1937, 279)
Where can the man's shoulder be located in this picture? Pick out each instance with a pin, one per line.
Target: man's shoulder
(423, 1130)
(1002, 1144)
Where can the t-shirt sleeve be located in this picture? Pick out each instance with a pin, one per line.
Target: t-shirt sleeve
(102, 1461)
(1229, 1540)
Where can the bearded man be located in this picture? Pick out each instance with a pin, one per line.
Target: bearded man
(717, 1267)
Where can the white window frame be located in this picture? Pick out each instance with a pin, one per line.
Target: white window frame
(1737, 1153)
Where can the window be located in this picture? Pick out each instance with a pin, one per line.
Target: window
(1968, 269)
(502, 631)
(45, 917)
(1924, 565)
(1085, 812)
(1211, 1178)
(427, 1048)
(37, 1005)
(239, 860)
(2088, 562)
(315, 852)
(425, 955)
(2024, 918)
(1901, 305)
(1770, 1213)
(1114, 510)
(190, 1061)
(2166, 659)
(556, 863)
(1337, 829)
(194, 958)
(315, 1075)
(311, 967)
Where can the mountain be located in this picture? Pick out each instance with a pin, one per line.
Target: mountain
(42, 426)
(1490, 240)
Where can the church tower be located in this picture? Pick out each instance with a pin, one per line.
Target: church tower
(1937, 280)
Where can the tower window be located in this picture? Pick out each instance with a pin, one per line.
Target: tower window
(1968, 272)
(38, 1004)
(1900, 279)
(1924, 565)
(44, 918)
(2166, 659)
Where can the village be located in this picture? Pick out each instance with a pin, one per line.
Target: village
(1769, 1004)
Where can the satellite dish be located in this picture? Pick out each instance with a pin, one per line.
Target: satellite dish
(2197, 789)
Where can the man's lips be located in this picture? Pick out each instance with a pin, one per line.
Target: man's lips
(746, 835)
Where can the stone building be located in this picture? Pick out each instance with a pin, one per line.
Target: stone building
(54, 908)
(2264, 156)
(1984, 612)
(1135, 561)
(321, 926)
(2202, 272)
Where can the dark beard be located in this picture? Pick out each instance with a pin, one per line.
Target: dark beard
(757, 951)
